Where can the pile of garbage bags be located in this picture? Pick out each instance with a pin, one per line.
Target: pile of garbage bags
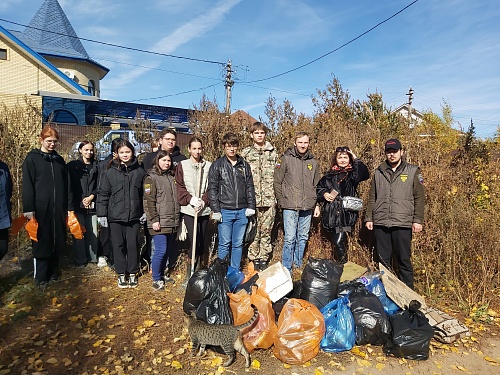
(316, 313)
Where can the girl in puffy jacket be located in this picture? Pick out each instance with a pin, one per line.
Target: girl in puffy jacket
(342, 180)
(119, 205)
(162, 212)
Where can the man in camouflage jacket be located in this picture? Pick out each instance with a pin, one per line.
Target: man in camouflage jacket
(262, 159)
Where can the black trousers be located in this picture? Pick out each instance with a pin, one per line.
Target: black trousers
(339, 244)
(395, 242)
(125, 241)
(4, 242)
(200, 235)
(105, 248)
(45, 268)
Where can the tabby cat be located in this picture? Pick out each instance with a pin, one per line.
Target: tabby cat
(226, 336)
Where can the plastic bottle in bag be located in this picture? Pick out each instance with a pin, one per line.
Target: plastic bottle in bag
(365, 280)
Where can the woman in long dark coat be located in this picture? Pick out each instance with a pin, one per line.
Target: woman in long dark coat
(47, 196)
(342, 180)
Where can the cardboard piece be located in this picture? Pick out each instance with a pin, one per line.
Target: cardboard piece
(352, 271)
(447, 329)
(398, 291)
(276, 281)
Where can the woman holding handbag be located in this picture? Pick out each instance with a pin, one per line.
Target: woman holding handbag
(341, 181)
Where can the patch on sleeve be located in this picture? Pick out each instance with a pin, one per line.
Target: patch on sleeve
(421, 178)
(278, 164)
(147, 189)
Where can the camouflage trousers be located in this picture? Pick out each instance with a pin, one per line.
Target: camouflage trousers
(261, 247)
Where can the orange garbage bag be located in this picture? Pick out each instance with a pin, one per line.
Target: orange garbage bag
(260, 335)
(75, 228)
(301, 326)
(17, 224)
(32, 228)
(265, 331)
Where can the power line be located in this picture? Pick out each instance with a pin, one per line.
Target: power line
(159, 69)
(336, 49)
(179, 93)
(274, 89)
(117, 45)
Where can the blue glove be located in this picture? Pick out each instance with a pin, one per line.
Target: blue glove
(249, 212)
(143, 219)
(217, 216)
(103, 221)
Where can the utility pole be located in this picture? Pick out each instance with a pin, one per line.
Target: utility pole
(228, 84)
(410, 99)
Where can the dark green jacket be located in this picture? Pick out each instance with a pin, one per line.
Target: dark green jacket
(396, 198)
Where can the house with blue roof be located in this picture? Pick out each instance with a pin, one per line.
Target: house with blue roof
(48, 63)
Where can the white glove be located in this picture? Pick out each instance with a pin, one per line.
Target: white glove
(28, 215)
(217, 216)
(249, 212)
(194, 201)
(143, 218)
(103, 221)
(200, 207)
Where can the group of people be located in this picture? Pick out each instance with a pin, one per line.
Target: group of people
(168, 192)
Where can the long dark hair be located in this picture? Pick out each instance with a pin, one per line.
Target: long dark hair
(83, 143)
(161, 154)
(121, 143)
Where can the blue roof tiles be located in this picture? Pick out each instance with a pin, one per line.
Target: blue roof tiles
(51, 33)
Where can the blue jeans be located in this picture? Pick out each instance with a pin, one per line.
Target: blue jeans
(231, 235)
(162, 242)
(296, 224)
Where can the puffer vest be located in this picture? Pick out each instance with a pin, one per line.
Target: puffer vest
(191, 180)
(394, 203)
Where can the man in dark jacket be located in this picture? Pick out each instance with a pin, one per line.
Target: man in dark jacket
(232, 198)
(168, 139)
(396, 209)
(295, 181)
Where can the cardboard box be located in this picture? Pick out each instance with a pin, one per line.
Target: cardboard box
(276, 281)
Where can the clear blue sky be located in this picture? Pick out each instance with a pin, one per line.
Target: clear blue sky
(446, 50)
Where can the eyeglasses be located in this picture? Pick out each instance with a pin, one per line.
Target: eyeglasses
(169, 139)
(51, 141)
(342, 149)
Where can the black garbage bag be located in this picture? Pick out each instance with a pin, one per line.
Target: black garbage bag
(346, 287)
(214, 307)
(411, 334)
(372, 325)
(320, 281)
(198, 288)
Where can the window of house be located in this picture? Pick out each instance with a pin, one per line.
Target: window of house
(3, 54)
(64, 117)
(91, 87)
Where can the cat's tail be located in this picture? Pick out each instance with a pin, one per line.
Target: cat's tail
(252, 319)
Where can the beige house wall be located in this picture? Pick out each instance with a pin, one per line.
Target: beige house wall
(82, 70)
(21, 74)
(11, 100)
